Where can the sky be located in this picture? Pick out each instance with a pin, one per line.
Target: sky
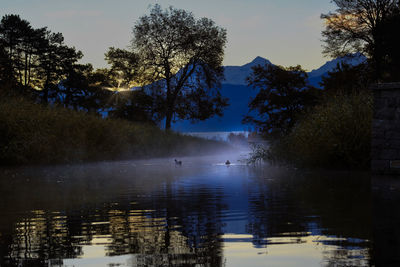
(287, 32)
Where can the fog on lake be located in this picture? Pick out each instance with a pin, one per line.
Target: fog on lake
(200, 213)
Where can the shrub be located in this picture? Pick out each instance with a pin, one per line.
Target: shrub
(334, 134)
(31, 133)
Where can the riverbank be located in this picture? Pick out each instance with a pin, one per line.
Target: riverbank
(34, 134)
(335, 134)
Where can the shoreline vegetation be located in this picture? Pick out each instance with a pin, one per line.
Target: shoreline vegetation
(335, 134)
(48, 112)
(31, 133)
(329, 126)
(51, 105)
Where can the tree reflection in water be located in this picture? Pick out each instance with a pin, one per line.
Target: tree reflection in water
(162, 215)
(288, 206)
(78, 208)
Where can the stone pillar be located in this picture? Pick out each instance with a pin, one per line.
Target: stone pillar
(385, 143)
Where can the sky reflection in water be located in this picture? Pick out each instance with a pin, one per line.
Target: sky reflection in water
(153, 213)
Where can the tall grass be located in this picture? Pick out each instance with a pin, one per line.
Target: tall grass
(335, 134)
(31, 133)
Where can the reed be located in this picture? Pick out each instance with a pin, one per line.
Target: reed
(31, 133)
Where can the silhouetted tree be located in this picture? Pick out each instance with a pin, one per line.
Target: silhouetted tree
(6, 78)
(182, 57)
(282, 97)
(391, 46)
(21, 43)
(133, 105)
(124, 67)
(83, 89)
(37, 58)
(94, 97)
(127, 102)
(357, 26)
(346, 79)
(55, 62)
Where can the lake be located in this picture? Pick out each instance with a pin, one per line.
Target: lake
(202, 213)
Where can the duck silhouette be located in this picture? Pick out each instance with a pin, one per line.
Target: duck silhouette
(227, 162)
(178, 162)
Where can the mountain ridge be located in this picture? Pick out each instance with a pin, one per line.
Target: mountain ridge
(239, 93)
(237, 74)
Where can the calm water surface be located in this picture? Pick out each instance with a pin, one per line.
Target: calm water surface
(203, 213)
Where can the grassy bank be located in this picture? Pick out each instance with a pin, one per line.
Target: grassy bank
(34, 134)
(334, 134)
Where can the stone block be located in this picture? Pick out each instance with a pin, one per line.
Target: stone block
(377, 123)
(385, 127)
(388, 154)
(393, 126)
(385, 114)
(391, 103)
(379, 102)
(378, 133)
(394, 144)
(380, 165)
(392, 135)
(378, 143)
(390, 93)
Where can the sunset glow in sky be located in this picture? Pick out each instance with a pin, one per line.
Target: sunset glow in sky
(287, 32)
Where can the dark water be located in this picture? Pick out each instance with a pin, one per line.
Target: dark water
(153, 213)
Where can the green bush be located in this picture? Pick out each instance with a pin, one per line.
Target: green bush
(31, 133)
(334, 134)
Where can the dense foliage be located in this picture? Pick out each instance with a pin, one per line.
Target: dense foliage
(38, 65)
(283, 95)
(173, 71)
(32, 133)
(347, 79)
(366, 26)
(335, 129)
(174, 67)
(334, 134)
(180, 62)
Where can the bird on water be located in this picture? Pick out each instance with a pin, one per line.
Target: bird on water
(227, 162)
(178, 162)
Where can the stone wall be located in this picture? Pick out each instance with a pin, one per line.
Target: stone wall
(385, 143)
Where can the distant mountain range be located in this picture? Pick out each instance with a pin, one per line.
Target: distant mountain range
(238, 74)
(315, 76)
(235, 88)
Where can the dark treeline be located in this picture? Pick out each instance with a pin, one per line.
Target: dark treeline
(329, 127)
(37, 64)
(171, 71)
(369, 27)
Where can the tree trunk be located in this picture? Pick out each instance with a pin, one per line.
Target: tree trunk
(168, 120)
(45, 97)
(26, 69)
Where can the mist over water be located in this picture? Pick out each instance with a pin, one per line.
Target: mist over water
(201, 213)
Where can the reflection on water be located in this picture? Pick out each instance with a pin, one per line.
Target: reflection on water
(153, 213)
